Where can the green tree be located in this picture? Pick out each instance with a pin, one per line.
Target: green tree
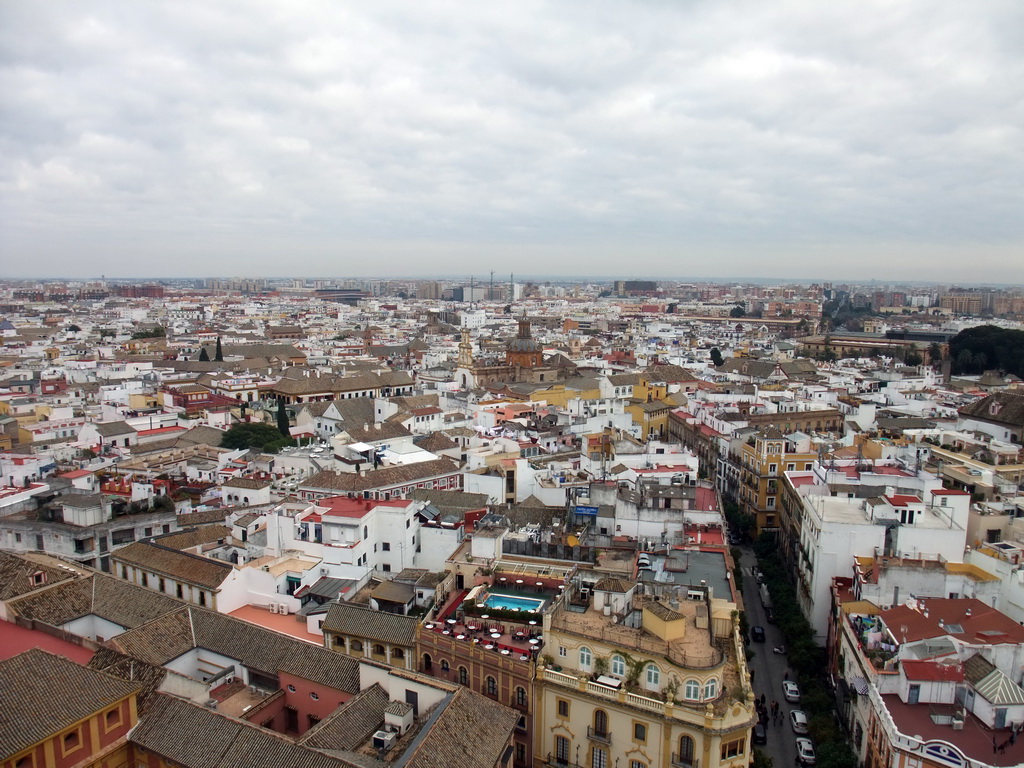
(989, 346)
(204, 356)
(249, 435)
(737, 311)
(282, 418)
(219, 356)
(836, 754)
(157, 333)
(716, 357)
(73, 328)
(761, 760)
(934, 353)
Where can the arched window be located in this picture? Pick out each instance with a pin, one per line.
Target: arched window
(397, 653)
(618, 665)
(492, 686)
(356, 646)
(711, 689)
(586, 658)
(444, 665)
(378, 649)
(463, 676)
(691, 691)
(653, 676)
(428, 663)
(686, 749)
(600, 722)
(520, 697)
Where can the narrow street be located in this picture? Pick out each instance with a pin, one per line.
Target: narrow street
(768, 669)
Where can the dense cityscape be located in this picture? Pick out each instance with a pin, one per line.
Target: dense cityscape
(496, 521)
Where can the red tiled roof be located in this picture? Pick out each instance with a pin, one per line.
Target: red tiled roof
(343, 506)
(932, 671)
(902, 500)
(980, 623)
(75, 474)
(949, 492)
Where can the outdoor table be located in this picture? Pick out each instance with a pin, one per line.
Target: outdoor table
(495, 635)
(489, 646)
(460, 637)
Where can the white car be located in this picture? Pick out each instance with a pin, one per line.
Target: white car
(791, 691)
(805, 752)
(798, 720)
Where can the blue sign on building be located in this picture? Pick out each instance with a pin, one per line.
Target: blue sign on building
(591, 511)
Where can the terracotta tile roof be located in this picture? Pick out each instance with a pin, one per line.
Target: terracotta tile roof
(30, 710)
(1000, 407)
(17, 575)
(114, 428)
(148, 677)
(470, 730)
(371, 433)
(194, 537)
(932, 671)
(327, 480)
(967, 619)
(110, 598)
(249, 483)
(435, 442)
(352, 723)
(375, 626)
(662, 611)
(191, 569)
(614, 584)
(196, 737)
(169, 636)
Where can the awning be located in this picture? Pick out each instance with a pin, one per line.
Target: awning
(360, 447)
(859, 684)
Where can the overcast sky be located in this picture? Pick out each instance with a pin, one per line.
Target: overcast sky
(664, 138)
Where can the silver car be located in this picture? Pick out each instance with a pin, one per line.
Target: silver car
(805, 752)
(798, 720)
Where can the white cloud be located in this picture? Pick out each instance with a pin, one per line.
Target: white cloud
(706, 138)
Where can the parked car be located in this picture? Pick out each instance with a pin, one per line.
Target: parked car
(757, 634)
(791, 691)
(805, 751)
(760, 734)
(798, 720)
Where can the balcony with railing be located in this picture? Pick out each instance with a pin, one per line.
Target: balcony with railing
(684, 761)
(603, 736)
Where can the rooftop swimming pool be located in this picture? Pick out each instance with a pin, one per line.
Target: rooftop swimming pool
(510, 602)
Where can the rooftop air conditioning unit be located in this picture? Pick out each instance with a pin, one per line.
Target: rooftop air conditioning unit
(284, 608)
(384, 740)
(273, 607)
